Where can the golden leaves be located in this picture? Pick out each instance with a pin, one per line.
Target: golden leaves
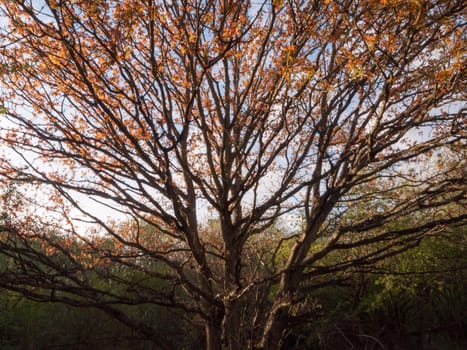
(370, 41)
(444, 75)
(136, 73)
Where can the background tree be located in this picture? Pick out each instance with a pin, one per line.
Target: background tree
(175, 110)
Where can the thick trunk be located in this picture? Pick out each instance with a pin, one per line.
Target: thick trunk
(213, 336)
(232, 337)
(225, 333)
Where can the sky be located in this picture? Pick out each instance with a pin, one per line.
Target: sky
(101, 210)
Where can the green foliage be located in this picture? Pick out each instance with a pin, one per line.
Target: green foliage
(416, 300)
(26, 324)
(413, 300)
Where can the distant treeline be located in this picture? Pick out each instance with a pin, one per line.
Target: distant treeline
(416, 300)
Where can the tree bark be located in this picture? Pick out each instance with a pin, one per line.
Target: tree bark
(213, 335)
(232, 337)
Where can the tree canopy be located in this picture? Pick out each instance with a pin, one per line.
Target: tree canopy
(246, 113)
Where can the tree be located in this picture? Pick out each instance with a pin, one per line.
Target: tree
(245, 112)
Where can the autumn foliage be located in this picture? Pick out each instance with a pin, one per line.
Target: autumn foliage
(209, 123)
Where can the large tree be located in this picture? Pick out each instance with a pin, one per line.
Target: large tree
(244, 112)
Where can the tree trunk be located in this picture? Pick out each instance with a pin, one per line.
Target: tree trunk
(232, 337)
(213, 335)
(224, 331)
